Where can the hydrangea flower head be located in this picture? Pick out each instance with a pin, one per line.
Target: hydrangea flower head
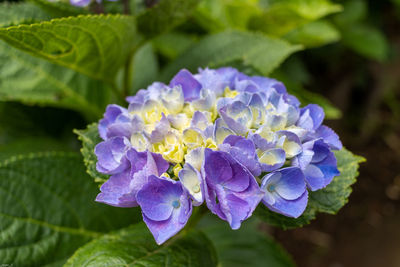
(218, 138)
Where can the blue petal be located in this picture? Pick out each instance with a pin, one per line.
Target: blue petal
(287, 183)
(292, 183)
(290, 208)
(329, 136)
(311, 117)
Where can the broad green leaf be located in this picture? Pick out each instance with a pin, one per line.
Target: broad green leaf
(220, 15)
(313, 34)
(172, 44)
(90, 138)
(353, 12)
(365, 40)
(48, 210)
(31, 80)
(21, 122)
(135, 246)
(20, 13)
(256, 50)
(164, 16)
(247, 246)
(283, 16)
(329, 200)
(95, 45)
(32, 144)
(59, 8)
(34, 129)
(145, 68)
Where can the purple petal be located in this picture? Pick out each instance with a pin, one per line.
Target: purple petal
(190, 86)
(220, 168)
(216, 167)
(161, 129)
(237, 196)
(272, 159)
(311, 117)
(286, 183)
(116, 191)
(80, 3)
(243, 150)
(329, 136)
(214, 80)
(110, 116)
(163, 230)
(290, 208)
(237, 116)
(323, 167)
(158, 197)
(111, 155)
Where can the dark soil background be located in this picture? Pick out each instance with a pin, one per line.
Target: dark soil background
(366, 232)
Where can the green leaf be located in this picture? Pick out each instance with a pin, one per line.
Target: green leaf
(94, 45)
(284, 16)
(247, 246)
(220, 15)
(20, 13)
(256, 50)
(172, 44)
(47, 209)
(145, 68)
(31, 80)
(32, 144)
(314, 34)
(329, 200)
(90, 138)
(164, 16)
(59, 8)
(135, 246)
(34, 122)
(353, 12)
(366, 40)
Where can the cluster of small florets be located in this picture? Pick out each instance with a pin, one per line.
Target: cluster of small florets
(219, 138)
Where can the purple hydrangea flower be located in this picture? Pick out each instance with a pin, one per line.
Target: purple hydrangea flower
(165, 206)
(244, 151)
(205, 139)
(231, 191)
(285, 191)
(318, 164)
(121, 189)
(111, 155)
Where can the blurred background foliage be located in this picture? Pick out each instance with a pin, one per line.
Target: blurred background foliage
(343, 55)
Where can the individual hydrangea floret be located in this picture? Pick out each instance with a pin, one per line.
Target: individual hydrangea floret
(218, 138)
